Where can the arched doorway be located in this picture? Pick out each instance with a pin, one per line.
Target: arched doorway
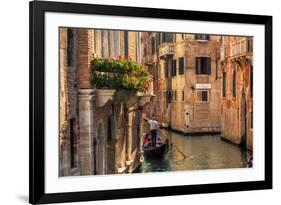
(99, 151)
(111, 142)
(243, 122)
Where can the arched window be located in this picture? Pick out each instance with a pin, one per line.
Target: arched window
(72, 143)
(224, 84)
(99, 150)
(234, 83)
(109, 127)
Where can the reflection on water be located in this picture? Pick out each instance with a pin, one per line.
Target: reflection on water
(203, 152)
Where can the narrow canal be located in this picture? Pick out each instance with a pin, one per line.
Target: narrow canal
(202, 152)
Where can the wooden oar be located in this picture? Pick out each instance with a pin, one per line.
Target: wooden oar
(184, 156)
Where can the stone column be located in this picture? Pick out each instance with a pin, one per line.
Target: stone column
(130, 136)
(120, 153)
(86, 130)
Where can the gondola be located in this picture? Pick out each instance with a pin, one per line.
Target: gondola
(158, 151)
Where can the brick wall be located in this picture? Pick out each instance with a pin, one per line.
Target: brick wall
(68, 105)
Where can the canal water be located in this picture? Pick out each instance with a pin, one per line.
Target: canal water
(202, 152)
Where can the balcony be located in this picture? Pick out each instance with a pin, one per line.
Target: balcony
(243, 47)
(166, 50)
(149, 59)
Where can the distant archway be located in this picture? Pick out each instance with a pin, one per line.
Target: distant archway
(110, 147)
(99, 150)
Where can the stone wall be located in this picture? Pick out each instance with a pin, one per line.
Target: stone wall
(237, 110)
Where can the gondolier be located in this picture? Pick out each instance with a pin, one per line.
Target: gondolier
(154, 125)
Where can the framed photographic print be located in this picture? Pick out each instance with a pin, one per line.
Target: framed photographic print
(140, 102)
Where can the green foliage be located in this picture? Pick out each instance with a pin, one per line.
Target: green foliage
(119, 73)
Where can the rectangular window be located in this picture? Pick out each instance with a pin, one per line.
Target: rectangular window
(224, 84)
(201, 36)
(175, 95)
(182, 96)
(169, 96)
(234, 84)
(72, 143)
(158, 38)
(181, 66)
(166, 70)
(173, 68)
(167, 37)
(250, 45)
(153, 45)
(126, 44)
(202, 96)
(203, 65)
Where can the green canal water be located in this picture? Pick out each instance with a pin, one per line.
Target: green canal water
(203, 152)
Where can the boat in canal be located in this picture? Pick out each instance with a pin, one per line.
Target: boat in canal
(157, 151)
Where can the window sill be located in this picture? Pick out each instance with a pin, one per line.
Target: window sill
(202, 40)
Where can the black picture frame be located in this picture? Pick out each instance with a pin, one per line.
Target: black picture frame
(37, 11)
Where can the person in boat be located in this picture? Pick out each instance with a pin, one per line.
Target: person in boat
(146, 141)
(154, 125)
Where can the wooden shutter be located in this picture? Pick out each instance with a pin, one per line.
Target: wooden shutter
(208, 66)
(174, 67)
(181, 65)
(198, 65)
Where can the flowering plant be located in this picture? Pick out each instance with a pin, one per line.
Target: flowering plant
(119, 73)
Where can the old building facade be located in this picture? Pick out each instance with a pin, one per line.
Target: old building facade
(237, 90)
(187, 82)
(96, 139)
